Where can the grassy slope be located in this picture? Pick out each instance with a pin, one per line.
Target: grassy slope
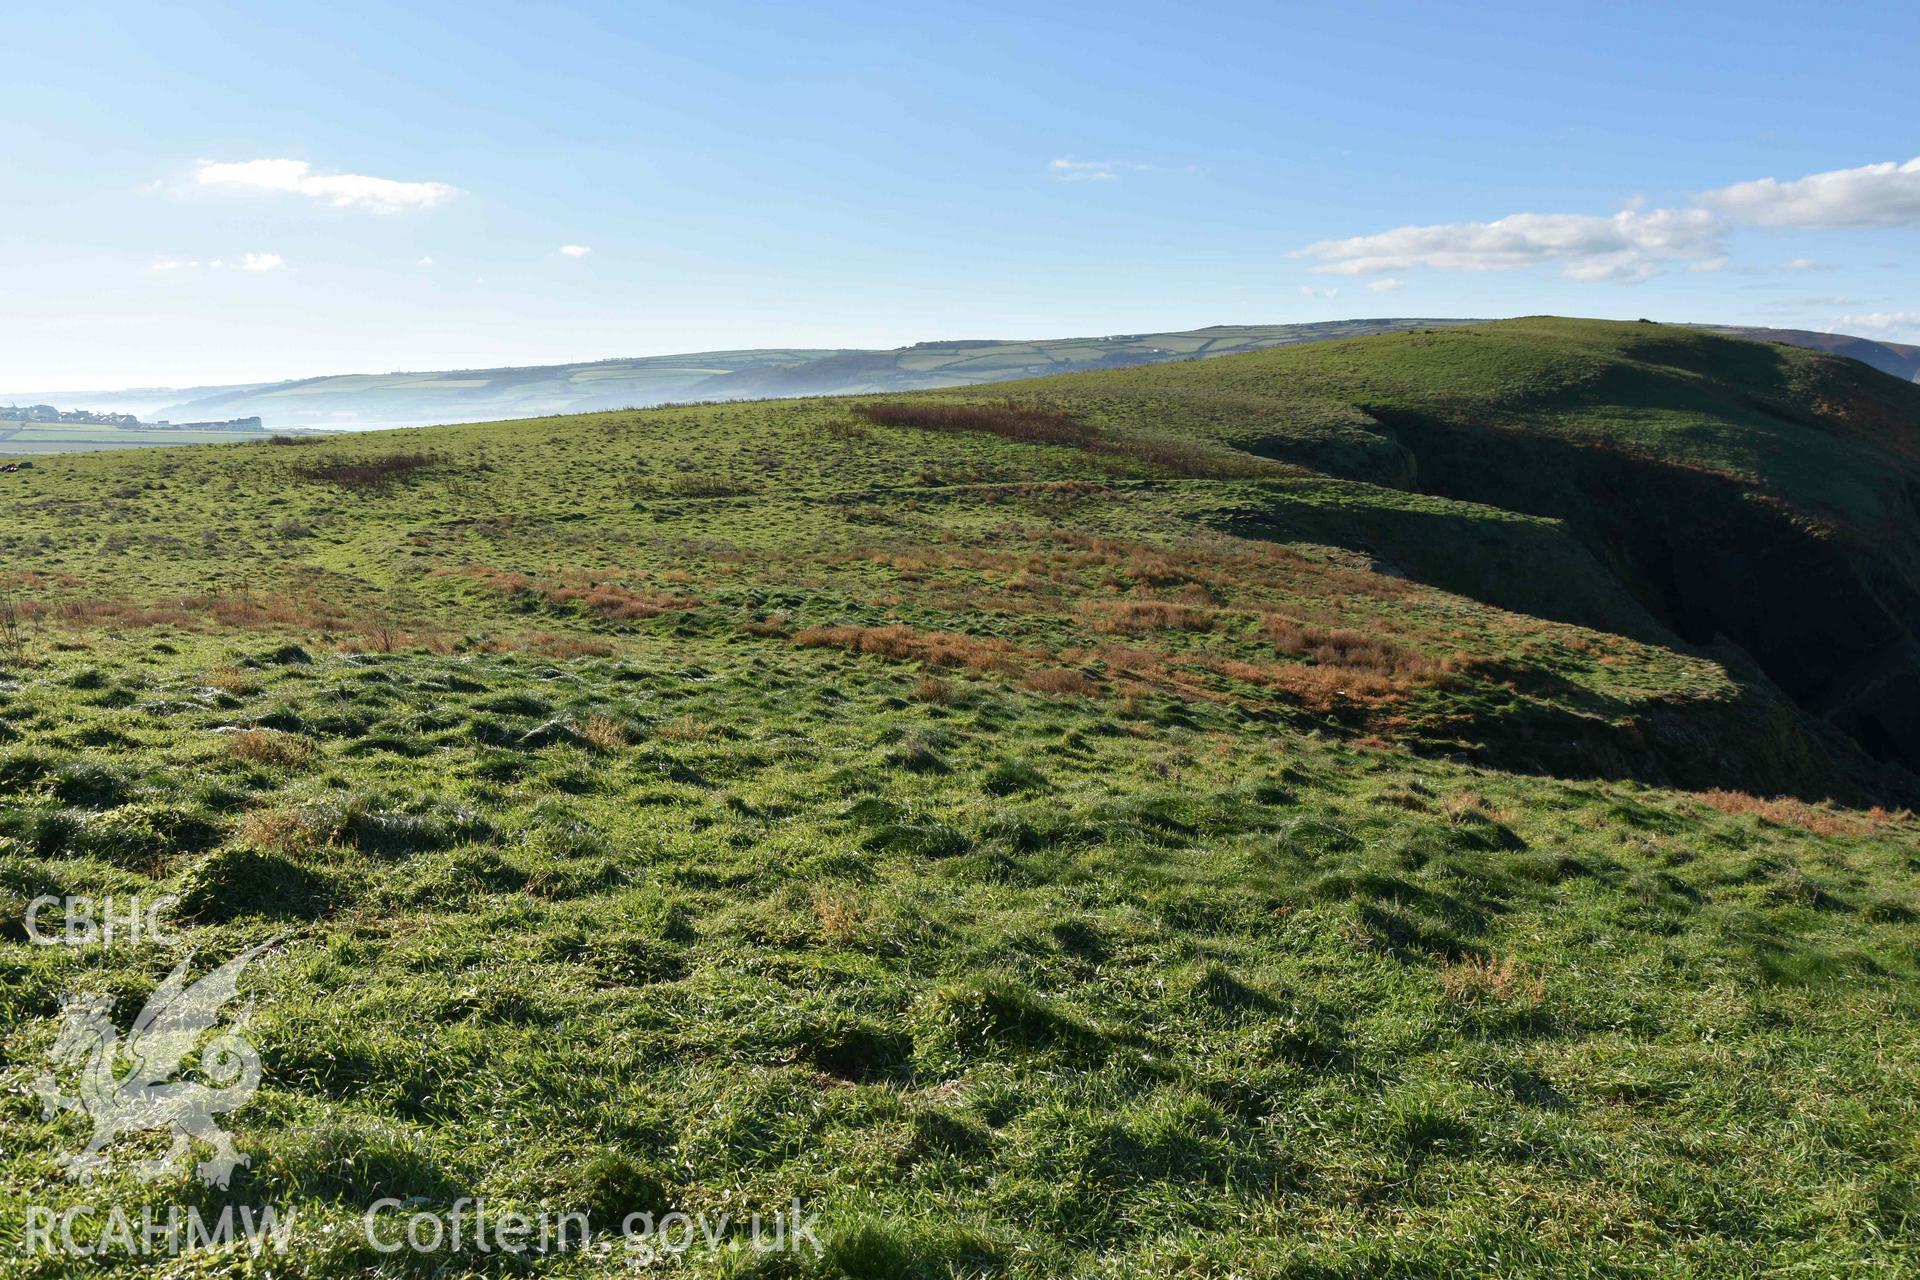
(1764, 493)
(1899, 359)
(1735, 408)
(955, 832)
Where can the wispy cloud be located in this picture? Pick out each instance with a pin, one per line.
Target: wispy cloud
(423, 262)
(342, 190)
(1873, 195)
(1068, 169)
(1638, 242)
(255, 262)
(1891, 322)
(1388, 285)
(1629, 245)
(1308, 291)
(575, 250)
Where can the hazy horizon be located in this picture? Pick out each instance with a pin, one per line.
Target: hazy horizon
(680, 351)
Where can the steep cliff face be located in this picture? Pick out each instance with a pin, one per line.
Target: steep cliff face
(1828, 611)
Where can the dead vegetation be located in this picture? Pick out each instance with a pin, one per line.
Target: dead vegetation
(212, 611)
(1347, 650)
(604, 733)
(607, 599)
(1314, 687)
(236, 681)
(1138, 617)
(366, 475)
(1785, 811)
(840, 914)
(13, 640)
(1060, 682)
(557, 644)
(1481, 980)
(903, 643)
(265, 747)
(1202, 571)
(278, 831)
(347, 626)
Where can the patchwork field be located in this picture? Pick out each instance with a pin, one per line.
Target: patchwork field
(31, 439)
(1202, 820)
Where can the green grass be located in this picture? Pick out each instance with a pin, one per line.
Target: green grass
(1050, 984)
(1153, 858)
(1736, 408)
(808, 512)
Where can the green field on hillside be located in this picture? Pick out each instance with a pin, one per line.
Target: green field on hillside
(1217, 819)
(31, 439)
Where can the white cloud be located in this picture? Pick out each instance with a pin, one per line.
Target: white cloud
(1386, 286)
(1637, 242)
(245, 262)
(575, 250)
(423, 262)
(1874, 195)
(1308, 291)
(1629, 245)
(1885, 321)
(1071, 170)
(342, 190)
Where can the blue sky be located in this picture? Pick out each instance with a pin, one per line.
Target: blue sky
(204, 193)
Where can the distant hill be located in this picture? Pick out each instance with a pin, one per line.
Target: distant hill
(144, 401)
(419, 398)
(1896, 358)
(468, 395)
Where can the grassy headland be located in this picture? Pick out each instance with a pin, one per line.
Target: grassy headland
(1322, 812)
